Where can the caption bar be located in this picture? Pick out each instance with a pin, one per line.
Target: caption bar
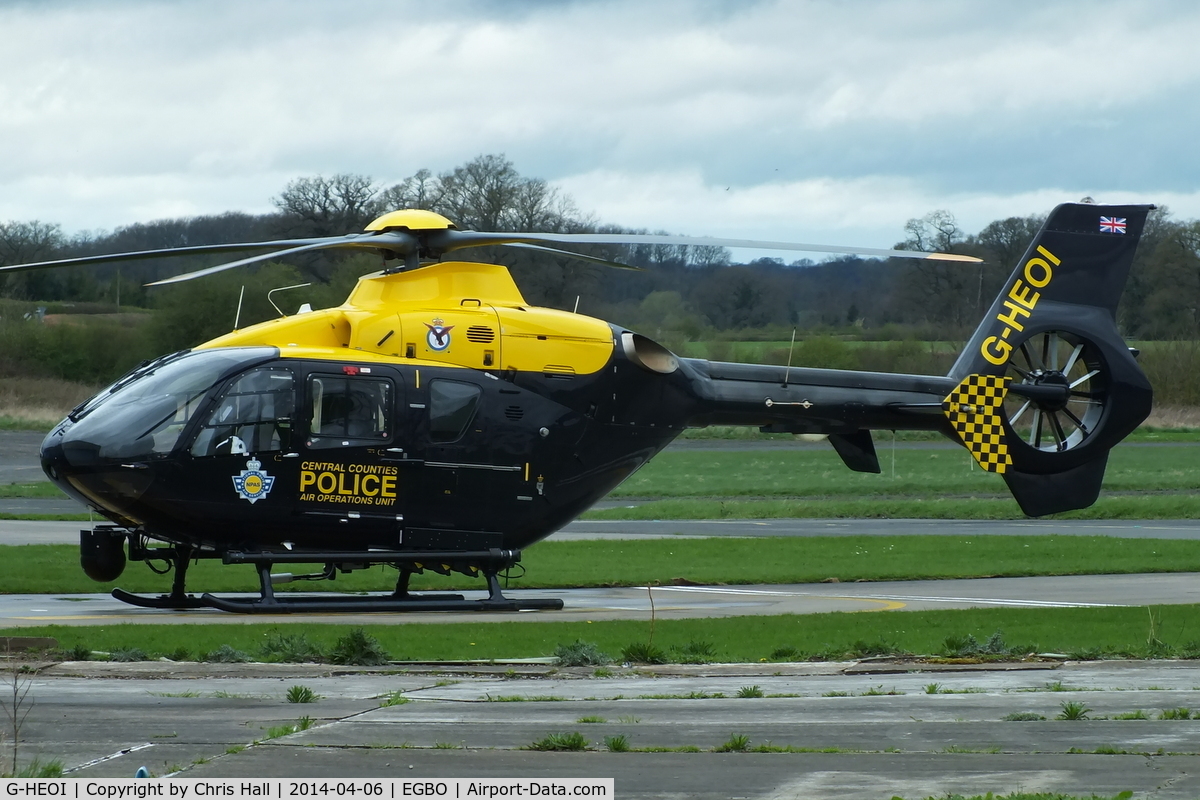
(192, 788)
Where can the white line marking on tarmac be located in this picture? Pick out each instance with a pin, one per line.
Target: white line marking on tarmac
(109, 757)
(995, 601)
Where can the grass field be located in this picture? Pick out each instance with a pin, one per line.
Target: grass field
(1087, 633)
(28, 569)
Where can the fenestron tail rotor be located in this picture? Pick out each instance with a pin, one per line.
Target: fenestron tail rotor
(1063, 420)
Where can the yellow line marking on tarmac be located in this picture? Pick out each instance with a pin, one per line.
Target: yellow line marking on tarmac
(886, 604)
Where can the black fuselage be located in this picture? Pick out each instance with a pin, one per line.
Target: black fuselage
(247, 449)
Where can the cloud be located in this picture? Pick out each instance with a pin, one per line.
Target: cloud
(120, 108)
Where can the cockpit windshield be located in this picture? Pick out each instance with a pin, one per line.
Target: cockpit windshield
(143, 414)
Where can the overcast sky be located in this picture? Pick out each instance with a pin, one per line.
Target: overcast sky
(810, 120)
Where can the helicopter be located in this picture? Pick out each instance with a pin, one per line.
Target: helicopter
(436, 421)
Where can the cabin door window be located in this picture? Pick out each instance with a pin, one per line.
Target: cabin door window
(252, 415)
(349, 411)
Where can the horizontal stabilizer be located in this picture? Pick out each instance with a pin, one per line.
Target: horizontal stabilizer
(857, 450)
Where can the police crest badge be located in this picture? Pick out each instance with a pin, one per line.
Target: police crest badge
(253, 483)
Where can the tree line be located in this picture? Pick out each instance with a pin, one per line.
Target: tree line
(684, 292)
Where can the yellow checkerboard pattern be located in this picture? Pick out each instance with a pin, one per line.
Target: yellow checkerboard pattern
(973, 409)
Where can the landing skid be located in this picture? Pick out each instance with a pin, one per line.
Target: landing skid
(162, 601)
(399, 601)
(180, 556)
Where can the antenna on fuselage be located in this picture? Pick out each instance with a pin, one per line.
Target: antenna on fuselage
(788, 371)
(237, 318)
(283, 289)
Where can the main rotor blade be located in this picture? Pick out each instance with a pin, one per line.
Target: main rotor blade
(450, 240)
(388, 240)
(577, 256)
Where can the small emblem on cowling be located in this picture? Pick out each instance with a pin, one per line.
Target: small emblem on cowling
(438, 337)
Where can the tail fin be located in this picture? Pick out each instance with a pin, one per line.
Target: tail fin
(1047, 385)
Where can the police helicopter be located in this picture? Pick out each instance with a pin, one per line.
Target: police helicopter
(437, 421)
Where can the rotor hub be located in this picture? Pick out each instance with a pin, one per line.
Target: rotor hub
(1051, 379)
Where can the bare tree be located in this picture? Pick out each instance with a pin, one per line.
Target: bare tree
(22, 242)
(320, 206)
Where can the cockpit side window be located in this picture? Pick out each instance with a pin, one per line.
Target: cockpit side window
(451, 408)
(252, 415)
(349, 410)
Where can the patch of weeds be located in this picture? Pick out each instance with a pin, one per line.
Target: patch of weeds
(958, 646)
(519, 698)
(957, 749)
(933, 688)
(695, 652)
(396, 698)
(1139, 714)
(359, 649)
(877, 691)
(789, 748)
(581, 654)
(736, 743)
(629, 719)
(289, 648)
(128, 654)
(226, 654)
(1022, 716)
(231, 695)
(561, 741)
(785, 654)
(445, 746)
(836, 694)
(1109, 750)
(1092, 654)
(1073, 710)
(510, 673)
(280, 730)
(750, 691)
(590, 720)
(233, 750)
(445, 682)
(79, 652)
(180, 654)
(302, 694)
(688, 696)
(602, 672)
(1176, 713)
(616, 744)
(687, 748)
(864, 649)
(189, 693)
(643, 653)
(36, 769)
(304, 723)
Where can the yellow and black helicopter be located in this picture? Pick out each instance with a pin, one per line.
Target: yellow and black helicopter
(437, 421)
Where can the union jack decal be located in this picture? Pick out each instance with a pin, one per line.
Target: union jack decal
(1112, 224)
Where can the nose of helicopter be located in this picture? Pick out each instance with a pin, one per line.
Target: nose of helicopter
(73, 464)
(56, 464)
